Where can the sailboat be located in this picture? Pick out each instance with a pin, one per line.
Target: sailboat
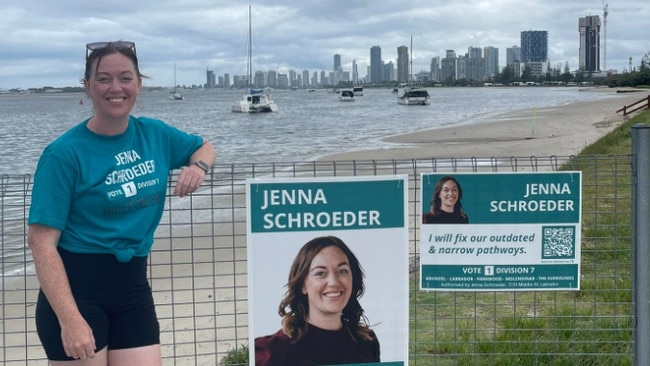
(255, 100)
(413, 95)
(175, 94)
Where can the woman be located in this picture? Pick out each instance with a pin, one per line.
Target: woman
(98, 196)
(322, 320)
(446, 206)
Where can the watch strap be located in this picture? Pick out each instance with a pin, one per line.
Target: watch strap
(202, 164)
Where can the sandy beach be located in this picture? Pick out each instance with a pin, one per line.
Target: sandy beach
(557, 131)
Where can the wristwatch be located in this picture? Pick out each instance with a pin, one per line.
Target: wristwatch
(202, 164)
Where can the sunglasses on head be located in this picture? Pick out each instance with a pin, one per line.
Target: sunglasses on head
(90, 47)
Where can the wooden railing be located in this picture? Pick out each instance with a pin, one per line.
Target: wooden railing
(643, 103)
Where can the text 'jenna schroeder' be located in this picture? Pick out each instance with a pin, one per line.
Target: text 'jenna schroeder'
(297, 219)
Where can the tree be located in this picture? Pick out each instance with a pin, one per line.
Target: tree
(527, 74)
(507, 75)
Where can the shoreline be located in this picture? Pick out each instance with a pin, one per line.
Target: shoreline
(562, 130)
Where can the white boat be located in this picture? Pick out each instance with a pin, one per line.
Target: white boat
(255, 100)
(346, 96)
(358, 91)
(416, 96)
(413, 95)
(175, 95)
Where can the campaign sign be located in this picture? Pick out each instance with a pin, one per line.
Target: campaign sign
(368, 214)
(500, 231)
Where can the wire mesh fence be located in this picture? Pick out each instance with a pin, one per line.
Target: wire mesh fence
(197, 271)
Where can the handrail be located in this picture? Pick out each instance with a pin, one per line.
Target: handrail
(626, 111)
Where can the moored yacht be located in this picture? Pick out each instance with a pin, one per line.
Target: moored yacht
(417, 96)
(256, 101)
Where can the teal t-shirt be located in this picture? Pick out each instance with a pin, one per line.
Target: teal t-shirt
(107, 193)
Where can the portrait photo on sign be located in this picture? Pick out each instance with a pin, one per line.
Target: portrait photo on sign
(445, 204)
(382, 276)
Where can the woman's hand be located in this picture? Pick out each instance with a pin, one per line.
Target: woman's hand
(189, 180)
(78, 339)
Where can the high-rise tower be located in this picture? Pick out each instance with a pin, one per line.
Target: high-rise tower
(534, 50)
(376, 67)
(534, 46)
(513, 54)
(337, 62)
(589, 51)
(491, 56)
(403, 64)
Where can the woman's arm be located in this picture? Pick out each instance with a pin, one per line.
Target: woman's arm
(78, 340)
(191, 177)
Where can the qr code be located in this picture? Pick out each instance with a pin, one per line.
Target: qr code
(558, 242)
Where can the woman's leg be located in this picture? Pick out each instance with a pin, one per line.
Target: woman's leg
(138, 356)
(100, 359)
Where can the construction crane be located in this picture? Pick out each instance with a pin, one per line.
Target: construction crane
(605, 12)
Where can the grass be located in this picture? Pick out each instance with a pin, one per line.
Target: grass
(592, 326)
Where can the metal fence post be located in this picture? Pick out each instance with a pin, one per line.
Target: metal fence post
(641, 241)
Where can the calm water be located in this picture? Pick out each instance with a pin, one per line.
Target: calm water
(308, 125)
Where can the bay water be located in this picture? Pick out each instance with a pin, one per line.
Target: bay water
(307, 126)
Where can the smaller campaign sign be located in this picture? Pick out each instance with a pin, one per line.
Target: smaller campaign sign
(500, 231)
(368, 214)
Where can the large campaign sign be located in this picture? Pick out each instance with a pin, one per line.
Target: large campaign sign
(368, 214)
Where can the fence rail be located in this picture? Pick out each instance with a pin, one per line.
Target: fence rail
(636, 106)
(198, 273)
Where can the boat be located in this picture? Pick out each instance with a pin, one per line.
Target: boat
(175, 94)
(358, 91)
(346, 95)
(395, 91)
(255, 100)
(413, 94)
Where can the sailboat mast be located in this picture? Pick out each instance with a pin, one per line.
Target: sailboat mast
(411, 63)
(250, 50)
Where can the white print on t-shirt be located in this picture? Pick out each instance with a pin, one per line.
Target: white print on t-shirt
(131, 167)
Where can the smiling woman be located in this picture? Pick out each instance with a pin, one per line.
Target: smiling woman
(322, 320)
(99, 216)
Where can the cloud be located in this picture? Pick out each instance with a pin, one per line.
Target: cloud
(43, 42)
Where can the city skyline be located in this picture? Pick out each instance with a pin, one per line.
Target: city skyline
(476, 65)
(40, 48)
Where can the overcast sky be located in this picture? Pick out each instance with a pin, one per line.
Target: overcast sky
(42, 42)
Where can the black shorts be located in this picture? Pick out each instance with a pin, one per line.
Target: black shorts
(115, 299)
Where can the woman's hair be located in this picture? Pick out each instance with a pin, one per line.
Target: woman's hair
(109, 49)
(294, 307)
(435, 200)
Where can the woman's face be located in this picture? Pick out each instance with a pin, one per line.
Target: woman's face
(113, 86)
(448, 196)
(328, 284)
